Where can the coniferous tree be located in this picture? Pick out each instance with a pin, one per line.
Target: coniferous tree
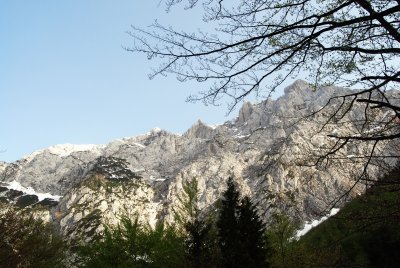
(252, 251)
(241, 231)
(227, 224)
(200, 245)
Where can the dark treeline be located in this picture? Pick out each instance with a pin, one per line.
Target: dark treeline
(232, 236)
(365, 233)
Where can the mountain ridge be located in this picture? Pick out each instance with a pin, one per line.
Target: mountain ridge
(266, 149)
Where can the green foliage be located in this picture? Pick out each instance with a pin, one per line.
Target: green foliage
(252, 251)
(365, 233)
(133, 245)
(200, 240)
(193, 244)
(280, 238)
(227, 225)
(26, 241)
(201, 246)
(240, 231)
(187, 209)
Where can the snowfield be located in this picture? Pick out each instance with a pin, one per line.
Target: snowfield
(14, 185)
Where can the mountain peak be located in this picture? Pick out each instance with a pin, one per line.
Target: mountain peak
(245, 112)
(66, 149)
(300, 86)
(200, 130)
(266, 154)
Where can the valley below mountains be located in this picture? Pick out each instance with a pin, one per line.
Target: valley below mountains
(270, 151)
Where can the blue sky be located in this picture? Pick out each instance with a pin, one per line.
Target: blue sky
(64, 77)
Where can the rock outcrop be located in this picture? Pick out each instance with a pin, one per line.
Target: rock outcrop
(269, 150)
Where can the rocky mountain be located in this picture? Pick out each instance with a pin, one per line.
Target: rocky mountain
(268, 149)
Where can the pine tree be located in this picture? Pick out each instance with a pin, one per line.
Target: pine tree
(252, 251)
(241, 231)
(227, 224)
(198, 243)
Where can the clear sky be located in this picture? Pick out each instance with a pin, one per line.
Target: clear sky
(64, 77)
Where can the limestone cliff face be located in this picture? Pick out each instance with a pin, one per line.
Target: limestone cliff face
(268, 150)
(3, 166)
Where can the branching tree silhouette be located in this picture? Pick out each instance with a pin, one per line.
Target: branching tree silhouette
(258, 45)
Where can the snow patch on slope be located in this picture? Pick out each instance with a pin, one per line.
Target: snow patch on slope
(139, 145)
(14, 185)
(309, 225)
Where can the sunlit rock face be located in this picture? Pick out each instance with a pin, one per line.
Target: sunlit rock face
(268, 149)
